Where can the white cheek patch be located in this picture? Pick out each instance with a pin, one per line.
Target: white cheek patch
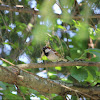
(47, 50)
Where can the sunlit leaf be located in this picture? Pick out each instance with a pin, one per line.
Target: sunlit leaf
(61, 27)
(44, 58)
(92, 34)
(52, 75)
(4, 64)
(58, 68)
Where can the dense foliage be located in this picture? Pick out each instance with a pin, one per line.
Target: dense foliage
(67, 26)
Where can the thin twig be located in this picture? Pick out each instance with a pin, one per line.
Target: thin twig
(19, 91)
(79, 92)
(3, 20)
(7, 61)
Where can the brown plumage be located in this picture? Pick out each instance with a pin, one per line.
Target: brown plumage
(52, 54)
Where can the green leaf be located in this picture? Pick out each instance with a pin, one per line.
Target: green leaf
(9, 28)
(42, 97)
(92, 34)
(98, 26)
(58, 68)
(98, 81)
(78, 67)
(23, 89)
(52, 75)
(5, 43)
(2, 85)
(74, 98)
(66, 80)
(4, 64)
(44, 58)
(93, 51)
(90, 78)
(95, 59)
(92, 70)
(58, 98)
(98, 74)
(61, 27)
(68, 58)
(10, 96)
(79, 74)
(83, 31)
(30, 25)
(15, 45)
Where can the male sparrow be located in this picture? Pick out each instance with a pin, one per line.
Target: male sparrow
(52, 54)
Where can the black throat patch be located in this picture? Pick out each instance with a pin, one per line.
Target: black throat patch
(46, 53)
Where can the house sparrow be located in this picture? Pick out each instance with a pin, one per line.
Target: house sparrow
(52, 54)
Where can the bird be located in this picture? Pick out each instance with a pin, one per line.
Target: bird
(52, 55)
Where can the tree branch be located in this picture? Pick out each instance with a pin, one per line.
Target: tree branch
(27, 79)
(18, 9)
(16, 75)
(54, 64)
(32, 11)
